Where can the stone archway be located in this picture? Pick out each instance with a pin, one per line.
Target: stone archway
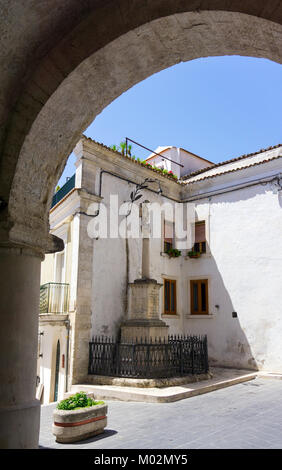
(62, 76)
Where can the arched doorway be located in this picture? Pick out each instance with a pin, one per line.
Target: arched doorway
(57, 371)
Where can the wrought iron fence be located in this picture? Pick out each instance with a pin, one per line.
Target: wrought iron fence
(54, 298)
(172, 357)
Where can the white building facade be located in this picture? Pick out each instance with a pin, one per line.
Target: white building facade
(230, 291)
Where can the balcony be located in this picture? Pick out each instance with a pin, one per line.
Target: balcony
(63, 191)
(54, 298)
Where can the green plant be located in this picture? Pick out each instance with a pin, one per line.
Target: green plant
(114, 147)
(172, 175)
(193, 254)
(156, 168)
(79, 400)
(123, 147)
(173, 252)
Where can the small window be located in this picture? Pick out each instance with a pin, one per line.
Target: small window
(168, 235)
(169, 296)
(200, 237)
(199, 297)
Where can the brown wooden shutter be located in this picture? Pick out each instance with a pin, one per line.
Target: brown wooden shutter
(199, 297)
(168, 231)
(170, 296)
(200, 232)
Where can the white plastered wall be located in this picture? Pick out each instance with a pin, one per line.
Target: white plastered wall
(244, 272)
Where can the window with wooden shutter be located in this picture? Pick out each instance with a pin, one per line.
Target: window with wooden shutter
(168, 235)
(170, 296)
(200, 237)
(199, 297)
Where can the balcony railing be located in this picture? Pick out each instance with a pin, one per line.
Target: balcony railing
(54, 298)
(63, 191)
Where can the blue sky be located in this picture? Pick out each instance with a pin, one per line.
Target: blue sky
(216, 107)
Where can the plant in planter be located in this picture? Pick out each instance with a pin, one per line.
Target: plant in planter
(79, 417)
(172, 175)
(173, 253)
(124, 149)
(156, 168)
(194, 254)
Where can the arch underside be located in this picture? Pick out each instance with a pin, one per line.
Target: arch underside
(32, 165)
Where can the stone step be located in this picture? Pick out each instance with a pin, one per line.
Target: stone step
(221, 378)
(270, 375)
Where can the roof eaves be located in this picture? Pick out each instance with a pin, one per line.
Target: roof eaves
(215, 165)
(195, 155)
(158, 153)
(234, 169)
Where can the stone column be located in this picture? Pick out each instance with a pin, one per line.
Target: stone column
(144, 318)
(145, 258)
(19, 310)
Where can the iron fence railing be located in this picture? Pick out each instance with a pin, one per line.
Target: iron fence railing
(171, 357)
(63, 191)
(54, 298)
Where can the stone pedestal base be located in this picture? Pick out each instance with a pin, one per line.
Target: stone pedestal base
(133, 330)
(144, 321)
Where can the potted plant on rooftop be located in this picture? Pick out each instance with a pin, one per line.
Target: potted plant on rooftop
(79, 417)
(172, 175)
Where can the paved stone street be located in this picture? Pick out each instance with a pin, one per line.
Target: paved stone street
(243, 416)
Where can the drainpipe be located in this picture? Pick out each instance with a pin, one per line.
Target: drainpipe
(67, 324)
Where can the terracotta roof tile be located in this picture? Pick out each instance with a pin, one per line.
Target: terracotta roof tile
(226, 162)
(234, 169)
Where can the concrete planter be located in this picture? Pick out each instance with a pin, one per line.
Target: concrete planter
(76, 425)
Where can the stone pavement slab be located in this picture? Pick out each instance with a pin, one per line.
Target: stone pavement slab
(247, 415)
